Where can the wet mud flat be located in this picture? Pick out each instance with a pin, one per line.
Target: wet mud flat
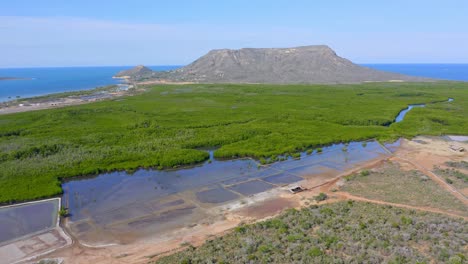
(120, 207)
(22, 220)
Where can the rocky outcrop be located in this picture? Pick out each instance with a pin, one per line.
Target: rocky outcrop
(135, 73)
(308, 64)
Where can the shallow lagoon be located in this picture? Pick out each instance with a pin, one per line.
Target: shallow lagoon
(114, 203)
(112, 190)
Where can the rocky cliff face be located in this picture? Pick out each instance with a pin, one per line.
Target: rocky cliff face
(308, 64)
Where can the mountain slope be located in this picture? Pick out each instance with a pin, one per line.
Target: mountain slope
(138, 71)
(308, 64)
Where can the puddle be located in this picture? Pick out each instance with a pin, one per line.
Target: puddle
(218, 195)
(158, 223)
(162, 218)
(458, 138)
(121, 214)
(251, 187)
(393, 146)
(235, 180)
(282, 178)
(27, 219)
(160, 206)
(83, 227)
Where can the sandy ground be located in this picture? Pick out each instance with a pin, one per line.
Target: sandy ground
(424, 153)
(162, 82)
(421, 154)
(60, 102)
(40, 106)
(69, 101)
(32, 247)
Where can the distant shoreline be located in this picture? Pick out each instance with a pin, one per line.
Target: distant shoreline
(57, 100)
(43, 81)
(11, 91)
(13, 78)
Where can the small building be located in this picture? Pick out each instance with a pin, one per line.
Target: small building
(457, 148)
(297, 189)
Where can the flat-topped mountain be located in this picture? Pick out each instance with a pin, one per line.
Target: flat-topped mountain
(308, 64)
(136, 72)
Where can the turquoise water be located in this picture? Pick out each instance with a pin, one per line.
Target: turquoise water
(42, 81)
(454, 72)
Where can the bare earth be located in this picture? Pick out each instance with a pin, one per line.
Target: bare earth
(412, 155)
(31, 247)
(72, 100)
(61, 102)
(40, 106)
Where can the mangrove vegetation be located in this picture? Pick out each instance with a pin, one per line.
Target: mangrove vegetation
(168, 125)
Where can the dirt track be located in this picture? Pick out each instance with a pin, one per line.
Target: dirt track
(348, 196)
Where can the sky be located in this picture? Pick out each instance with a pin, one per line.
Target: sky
(52, 33)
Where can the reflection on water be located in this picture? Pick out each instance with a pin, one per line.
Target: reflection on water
(403, 112)
(392, 147)
(89, 198)
(113, 206)
(251, 187)
(216, 195)
(25, 219)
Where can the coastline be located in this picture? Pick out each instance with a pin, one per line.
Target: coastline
(58, 100)
(128, 87)
(49, 80)
(13, 78)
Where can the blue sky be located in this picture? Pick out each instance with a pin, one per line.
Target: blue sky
(121, 32)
